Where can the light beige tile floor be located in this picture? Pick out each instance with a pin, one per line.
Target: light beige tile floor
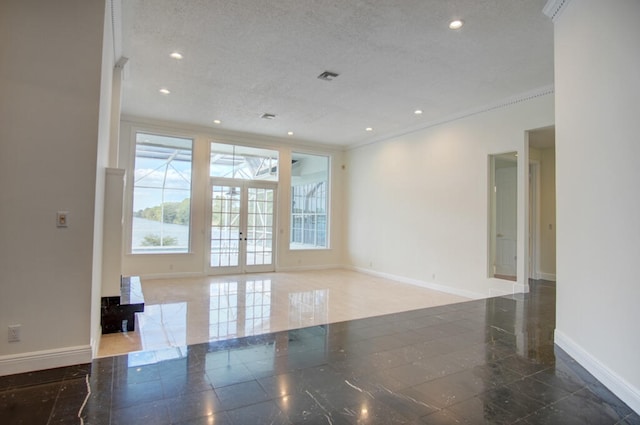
(181, 312)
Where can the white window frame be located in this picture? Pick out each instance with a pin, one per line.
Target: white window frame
(131, 166)
(329, 190)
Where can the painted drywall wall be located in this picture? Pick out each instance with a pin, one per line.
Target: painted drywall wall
(112, 232)
(548, 213)
(597, 90)
(194, 263)
(50, 84)
(417, 205)
(102, 161)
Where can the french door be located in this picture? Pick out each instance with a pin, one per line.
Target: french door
(241, 232)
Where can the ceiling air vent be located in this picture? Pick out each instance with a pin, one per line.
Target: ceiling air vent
(327, 76)
(268, 116)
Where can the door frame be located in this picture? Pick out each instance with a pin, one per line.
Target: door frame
(534, 219)
(506, 178)
(244, 186)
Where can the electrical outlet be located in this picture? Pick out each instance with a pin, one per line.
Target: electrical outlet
(14, 333)
(62, 219)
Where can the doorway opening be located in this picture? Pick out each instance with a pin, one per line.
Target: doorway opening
(542, 204)
(503, 201)
(241, 237)
(241, 209)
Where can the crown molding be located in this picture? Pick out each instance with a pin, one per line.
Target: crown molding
(227, 136)
(554, 8)
(115, 7)
(522, 97)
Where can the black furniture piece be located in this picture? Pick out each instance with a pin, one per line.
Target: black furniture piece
(118, 313)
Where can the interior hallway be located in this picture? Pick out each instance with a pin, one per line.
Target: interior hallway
(489, 361)
(180, 312)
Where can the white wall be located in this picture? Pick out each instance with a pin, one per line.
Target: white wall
(193, 263)
(417, 205)
(51, 54)
(102, 161)
(548, 212)
(597, 64)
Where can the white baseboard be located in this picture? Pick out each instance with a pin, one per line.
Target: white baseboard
(497, 292)
(520, 288)
(187, 275)
(46, 359)
(614, 382)
(309, 268)
(95, 340)
(429, 285)
(178, 275)
(547, 276)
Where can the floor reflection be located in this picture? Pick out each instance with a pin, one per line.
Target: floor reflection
(479, 362)
(239, 309)
(308, 308)
(522, 324)
(164, 325)
(181, 312)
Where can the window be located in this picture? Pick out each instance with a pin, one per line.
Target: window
(309, 195)
(242, 162)
(161, 194)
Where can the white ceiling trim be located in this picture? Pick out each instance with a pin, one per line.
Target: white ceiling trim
(226, 136)
(554, 8)
(522, 97)
(116, 26)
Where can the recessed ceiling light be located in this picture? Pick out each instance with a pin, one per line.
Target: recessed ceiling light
(217, 121)
(418, 112)
(368, 129)
(176, 55)
(456, 24)
(164, 91)
(290, 133)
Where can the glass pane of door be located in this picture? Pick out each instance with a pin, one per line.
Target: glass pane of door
(225, 226)
(259, 226)
(242, 226)
(243, 162)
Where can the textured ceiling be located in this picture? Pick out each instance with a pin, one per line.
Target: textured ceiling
(245, 58)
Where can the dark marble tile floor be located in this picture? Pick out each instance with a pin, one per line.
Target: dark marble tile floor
(488, 361)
